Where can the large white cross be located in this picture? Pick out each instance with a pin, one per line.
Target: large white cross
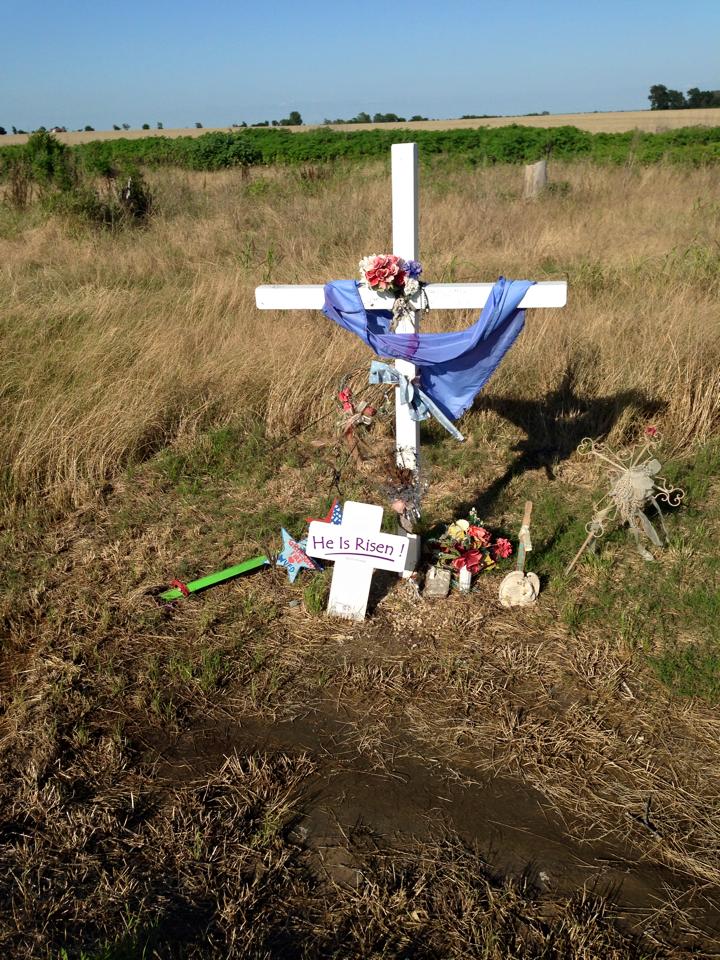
(440, 296)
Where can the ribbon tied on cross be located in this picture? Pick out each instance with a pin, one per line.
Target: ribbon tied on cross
(410, 393)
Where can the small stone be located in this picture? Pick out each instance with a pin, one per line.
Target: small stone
(437, 583)
(519, 589)
(299, 833)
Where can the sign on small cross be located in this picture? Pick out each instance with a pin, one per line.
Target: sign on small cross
(438, 296)
(358, 548)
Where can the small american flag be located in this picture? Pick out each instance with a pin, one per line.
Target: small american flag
(334, 514)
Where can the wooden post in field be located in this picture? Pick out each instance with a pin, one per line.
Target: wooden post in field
(535, 178)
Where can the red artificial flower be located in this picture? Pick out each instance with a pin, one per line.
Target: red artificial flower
(345, 398)
(502, 548)
(385, 272)
(480, 534)
(650, 431)
(472, 559)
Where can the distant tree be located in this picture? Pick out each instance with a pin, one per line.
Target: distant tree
(387, 118)
(14, 129)
(658, 97)
(126, 126)
(292, 120)
(418, 117)
(362, 117)
(88, 128)
(662, 98)
(198, 125)
(3, 131)
(146, 126)
(159, 125)
(702, 98)
(261, 123)
(115, 127)
(276, 123)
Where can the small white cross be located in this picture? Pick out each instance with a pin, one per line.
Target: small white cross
(357, 548)
(440, 296)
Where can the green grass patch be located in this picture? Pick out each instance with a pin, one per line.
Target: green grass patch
(238, 453)
(694, 672)
(668, 611)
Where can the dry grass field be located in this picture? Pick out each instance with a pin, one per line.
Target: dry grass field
(235, 775)
(650, 121)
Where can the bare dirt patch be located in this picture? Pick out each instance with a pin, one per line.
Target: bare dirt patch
(418, 797)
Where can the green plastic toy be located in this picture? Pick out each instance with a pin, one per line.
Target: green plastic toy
(176, 591)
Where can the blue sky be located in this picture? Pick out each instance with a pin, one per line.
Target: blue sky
(76, 62)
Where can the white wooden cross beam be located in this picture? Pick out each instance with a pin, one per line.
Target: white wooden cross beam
(440, 296)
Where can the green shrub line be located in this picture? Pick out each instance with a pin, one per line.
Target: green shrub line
(478, 146)
(47, 169)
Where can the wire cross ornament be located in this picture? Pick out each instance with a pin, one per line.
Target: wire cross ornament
(635, 485)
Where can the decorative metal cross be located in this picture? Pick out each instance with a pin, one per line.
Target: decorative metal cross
(439, 296)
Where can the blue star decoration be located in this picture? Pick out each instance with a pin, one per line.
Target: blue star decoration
(334, 514)
(293, 556)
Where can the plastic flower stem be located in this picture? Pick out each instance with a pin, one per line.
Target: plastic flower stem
(214, 578)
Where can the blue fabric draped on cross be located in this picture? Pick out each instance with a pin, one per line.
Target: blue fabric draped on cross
(454, 367)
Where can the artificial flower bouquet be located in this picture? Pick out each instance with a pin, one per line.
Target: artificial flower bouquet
(395, 277)
(390, 274)
(467, 544)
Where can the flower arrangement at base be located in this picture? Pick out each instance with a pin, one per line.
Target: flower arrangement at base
(468, 544)
(389, 274)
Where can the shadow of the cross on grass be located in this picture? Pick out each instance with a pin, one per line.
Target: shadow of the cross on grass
(382, 583)
(554, 426)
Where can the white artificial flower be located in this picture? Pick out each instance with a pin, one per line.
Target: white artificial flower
(365, 263)
(411, 287)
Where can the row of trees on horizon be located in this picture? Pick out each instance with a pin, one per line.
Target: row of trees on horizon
(293, 120)
(663, 98)
(660, 97)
